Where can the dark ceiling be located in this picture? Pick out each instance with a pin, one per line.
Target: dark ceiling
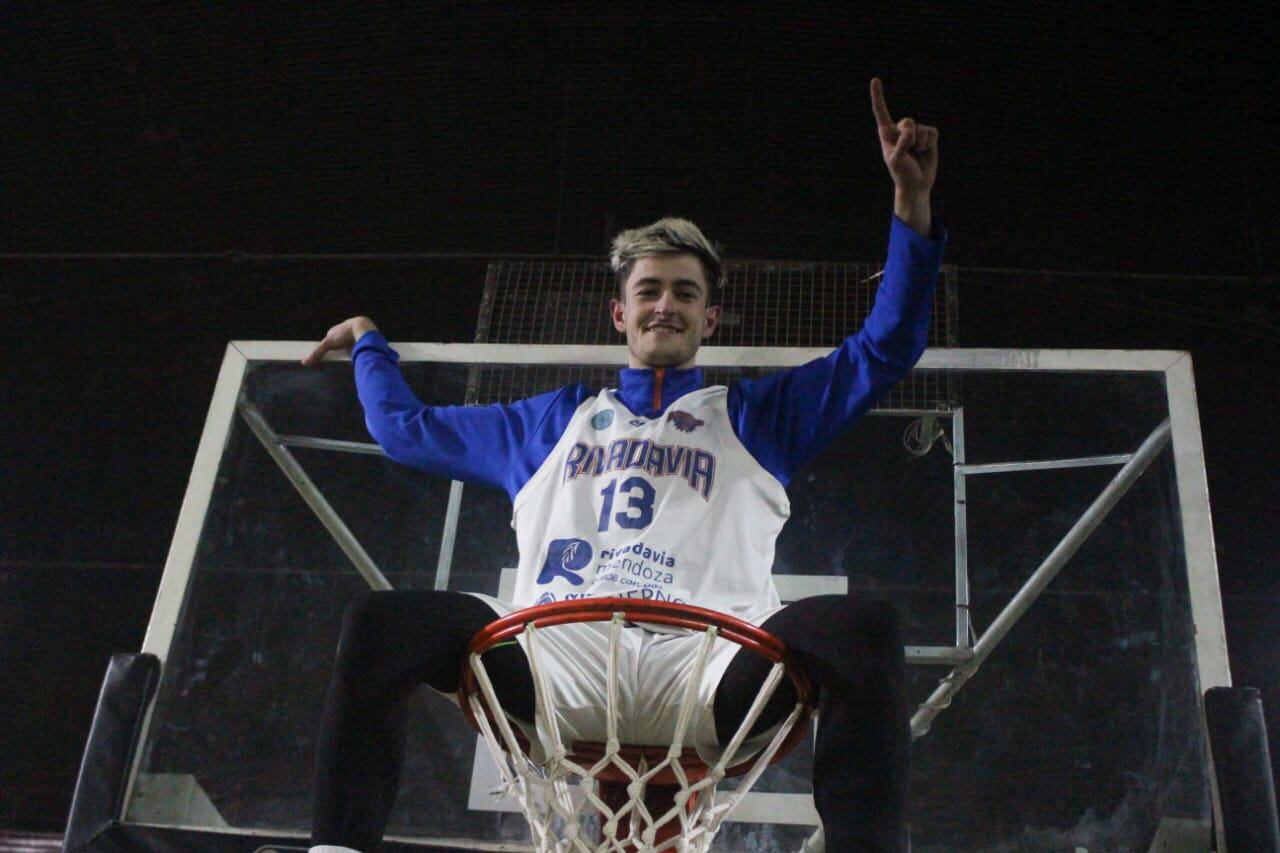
(172, 173)
(1076, 136)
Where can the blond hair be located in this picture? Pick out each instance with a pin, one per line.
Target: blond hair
(666, 237)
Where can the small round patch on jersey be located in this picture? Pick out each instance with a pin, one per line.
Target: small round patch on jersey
(545, 598)
(684, 421)
(637, 421)
(600, 420)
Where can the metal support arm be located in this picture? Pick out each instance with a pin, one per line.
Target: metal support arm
(1041, 578)
(319, 505)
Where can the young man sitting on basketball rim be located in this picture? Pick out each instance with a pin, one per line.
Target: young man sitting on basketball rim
(709, 497)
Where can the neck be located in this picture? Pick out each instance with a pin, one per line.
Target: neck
(647, 391)
(636, 364)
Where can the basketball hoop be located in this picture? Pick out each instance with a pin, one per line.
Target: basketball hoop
(641, 797)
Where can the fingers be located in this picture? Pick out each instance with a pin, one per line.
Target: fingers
(317, 355)
(926, 138)
(918, 140)
(914, 138)
(341, 337)
(878, 106)
(907, 137)
(333, 339)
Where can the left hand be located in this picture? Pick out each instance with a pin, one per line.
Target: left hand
(910, 150)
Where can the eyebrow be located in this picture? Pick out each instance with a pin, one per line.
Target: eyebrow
(687, 282)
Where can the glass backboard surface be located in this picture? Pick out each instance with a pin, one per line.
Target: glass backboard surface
(1081, 729)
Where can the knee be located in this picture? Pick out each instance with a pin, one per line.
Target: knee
(869, 628)
(877, 628)
(876, 619)
(364, 621)
(361, 610)
(848, 615)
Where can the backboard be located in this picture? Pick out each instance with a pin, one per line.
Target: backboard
(1050, 553)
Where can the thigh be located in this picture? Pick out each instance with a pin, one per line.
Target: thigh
(738, 689)
(835, 637)
(402, 638)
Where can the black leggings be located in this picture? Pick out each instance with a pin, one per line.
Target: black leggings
(394, 641)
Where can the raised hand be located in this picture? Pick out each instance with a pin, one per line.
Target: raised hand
(910, 150)
(341, 337)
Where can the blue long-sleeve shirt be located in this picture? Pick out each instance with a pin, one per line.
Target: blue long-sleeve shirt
(784, 419)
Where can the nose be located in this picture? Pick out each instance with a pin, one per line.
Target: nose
(666, 299)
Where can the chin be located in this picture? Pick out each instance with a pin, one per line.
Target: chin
(663, 356)
(669, 359)
(660, 359)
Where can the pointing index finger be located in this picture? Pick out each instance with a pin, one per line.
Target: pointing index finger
(878, 105)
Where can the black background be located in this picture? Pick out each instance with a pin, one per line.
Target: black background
(175, 176)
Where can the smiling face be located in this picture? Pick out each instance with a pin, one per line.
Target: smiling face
(664, 311)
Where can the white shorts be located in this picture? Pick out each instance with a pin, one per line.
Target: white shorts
(655, 669)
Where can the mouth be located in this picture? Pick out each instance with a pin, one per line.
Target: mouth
(663, 328)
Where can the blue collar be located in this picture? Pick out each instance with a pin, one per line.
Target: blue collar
(640, 391)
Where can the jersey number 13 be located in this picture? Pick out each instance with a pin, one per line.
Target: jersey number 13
(639, 509)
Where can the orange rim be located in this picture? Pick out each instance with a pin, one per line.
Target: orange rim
(643, 611)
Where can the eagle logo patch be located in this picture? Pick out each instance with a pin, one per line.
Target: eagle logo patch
(684, 421)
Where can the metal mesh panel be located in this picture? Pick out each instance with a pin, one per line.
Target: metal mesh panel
(766, 303)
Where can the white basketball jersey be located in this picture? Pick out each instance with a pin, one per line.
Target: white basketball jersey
(670, 509)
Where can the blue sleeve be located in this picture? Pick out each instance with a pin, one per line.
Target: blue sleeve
(787, 418)
(496, 445)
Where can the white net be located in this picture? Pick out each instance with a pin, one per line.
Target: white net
(615, 797)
